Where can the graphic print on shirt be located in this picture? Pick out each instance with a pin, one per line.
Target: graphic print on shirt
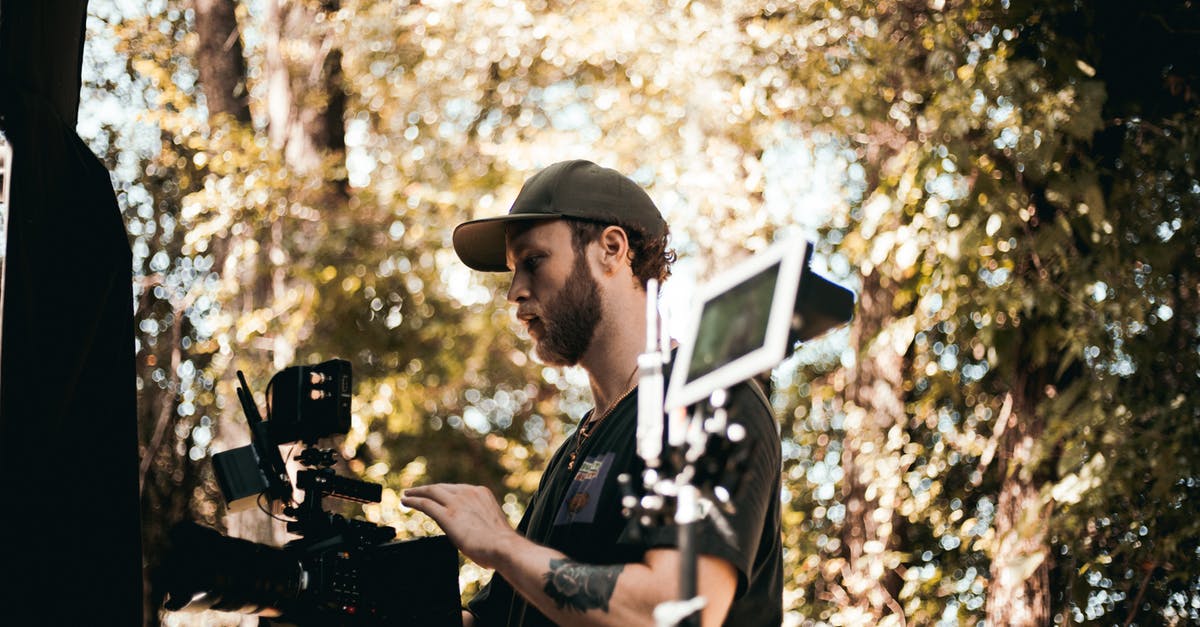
(580, 503)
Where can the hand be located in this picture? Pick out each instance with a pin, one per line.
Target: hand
(470, 516)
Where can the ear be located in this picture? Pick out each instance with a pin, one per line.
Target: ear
(614, 249)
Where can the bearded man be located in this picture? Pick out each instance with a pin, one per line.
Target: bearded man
(581, 242)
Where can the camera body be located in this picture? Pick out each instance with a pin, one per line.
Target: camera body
(339, 580)
(339, 572)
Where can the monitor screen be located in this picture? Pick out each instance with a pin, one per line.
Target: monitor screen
(733, 323)
(739, 324)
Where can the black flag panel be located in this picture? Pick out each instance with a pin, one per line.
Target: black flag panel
(68, 419)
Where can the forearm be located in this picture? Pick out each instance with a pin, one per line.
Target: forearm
(568, 592)
(571, 593)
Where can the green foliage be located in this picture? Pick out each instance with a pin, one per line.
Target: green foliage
(1012, 209)
(1011, 191)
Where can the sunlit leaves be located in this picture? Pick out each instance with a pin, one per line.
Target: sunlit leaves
(966, 162)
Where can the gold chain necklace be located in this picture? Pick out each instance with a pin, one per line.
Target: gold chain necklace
(587, 427)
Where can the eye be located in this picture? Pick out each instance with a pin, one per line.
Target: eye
(532, 262)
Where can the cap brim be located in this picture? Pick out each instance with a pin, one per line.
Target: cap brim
(480, 243)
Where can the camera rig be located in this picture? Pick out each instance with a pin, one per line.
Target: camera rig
(339, 571)
(744, 322)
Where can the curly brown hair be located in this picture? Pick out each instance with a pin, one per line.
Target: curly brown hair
(649, 257)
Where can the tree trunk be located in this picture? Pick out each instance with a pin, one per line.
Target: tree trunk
(219, 60)
(306, 99)
(875, 404)
(169, 480)
(305, 110)
(1019, 593)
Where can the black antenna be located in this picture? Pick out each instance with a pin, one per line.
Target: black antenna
(271, 462)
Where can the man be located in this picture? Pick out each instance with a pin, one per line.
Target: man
(581, 242)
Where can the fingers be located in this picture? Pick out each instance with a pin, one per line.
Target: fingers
(445, 493)
(468, 514)
(436, 499)
(436, 488)
(424, 492)
(429, 499)
(434, 509)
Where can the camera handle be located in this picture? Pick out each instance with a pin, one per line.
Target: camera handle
(319, 481)
(687, 460)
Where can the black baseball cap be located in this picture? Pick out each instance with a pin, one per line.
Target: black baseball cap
(568, 189)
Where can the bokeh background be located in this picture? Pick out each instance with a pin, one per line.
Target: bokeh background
(1007, 433)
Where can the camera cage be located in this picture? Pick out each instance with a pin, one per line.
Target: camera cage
(304, 404)
(338, 572)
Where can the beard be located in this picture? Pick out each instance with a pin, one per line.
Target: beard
(571, 318)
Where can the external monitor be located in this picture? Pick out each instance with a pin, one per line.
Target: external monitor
(740, 324)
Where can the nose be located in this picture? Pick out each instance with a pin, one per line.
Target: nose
(518, 290)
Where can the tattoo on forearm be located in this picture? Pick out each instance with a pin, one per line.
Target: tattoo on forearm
(581, 587)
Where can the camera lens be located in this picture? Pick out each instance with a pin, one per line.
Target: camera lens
(206, 570)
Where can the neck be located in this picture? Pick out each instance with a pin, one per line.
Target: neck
(611, 360)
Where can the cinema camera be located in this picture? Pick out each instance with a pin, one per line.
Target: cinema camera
(339, 572)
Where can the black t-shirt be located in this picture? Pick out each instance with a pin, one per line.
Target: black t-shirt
(578, 512)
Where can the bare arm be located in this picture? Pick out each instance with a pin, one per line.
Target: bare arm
(566, 591)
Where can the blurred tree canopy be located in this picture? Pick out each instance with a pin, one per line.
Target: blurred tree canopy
(1006, 433)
